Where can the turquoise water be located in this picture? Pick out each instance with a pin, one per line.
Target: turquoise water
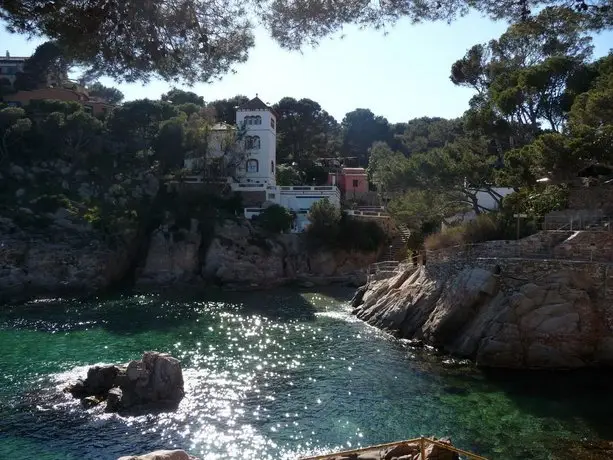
(272, 376)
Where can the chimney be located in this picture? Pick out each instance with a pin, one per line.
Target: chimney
(8, 55)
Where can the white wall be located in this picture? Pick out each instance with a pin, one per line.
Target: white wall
(267, 153)
(302, 198)
(486, 201)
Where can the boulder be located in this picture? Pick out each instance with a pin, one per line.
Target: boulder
(153, 383)
(114, 400)
(100, 379)
(161, 455)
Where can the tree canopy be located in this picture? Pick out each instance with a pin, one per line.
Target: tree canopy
(199, 40)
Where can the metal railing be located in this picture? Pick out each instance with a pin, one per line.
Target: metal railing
(421, 444)
(386, 269)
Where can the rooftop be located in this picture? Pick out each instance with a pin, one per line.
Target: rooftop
(254, 104)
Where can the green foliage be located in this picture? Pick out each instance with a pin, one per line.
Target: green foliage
(275, 219)
(179, 97)
(107, 94)
(288, 176)
(225, 109)
(47, 64)
(198, 40)
(537, 201)
(333, 229)
(324, 218)
(360, 129)
(306, 131)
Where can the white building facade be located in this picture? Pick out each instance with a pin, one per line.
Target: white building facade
(257, 142)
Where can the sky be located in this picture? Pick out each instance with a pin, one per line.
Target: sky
(401, 75)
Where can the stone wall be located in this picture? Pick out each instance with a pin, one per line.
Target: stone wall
(594, 246)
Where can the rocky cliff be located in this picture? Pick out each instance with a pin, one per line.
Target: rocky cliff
(237, 254)
(556, 321)
(60, 260)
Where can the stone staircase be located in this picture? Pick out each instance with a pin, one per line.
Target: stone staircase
(397, 250)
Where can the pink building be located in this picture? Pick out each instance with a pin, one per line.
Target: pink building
(352, 182)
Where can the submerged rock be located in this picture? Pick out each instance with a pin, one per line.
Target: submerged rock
(153, 383)
(161, 455)
(553, 323)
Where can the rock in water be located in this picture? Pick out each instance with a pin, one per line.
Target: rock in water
(161, 455)
(100, 379)
(155, 382)
(156, 379)
(113, 400)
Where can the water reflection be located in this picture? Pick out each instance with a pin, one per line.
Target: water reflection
(265, 385)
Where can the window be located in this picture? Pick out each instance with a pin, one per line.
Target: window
(355, 183)
(253, 120)
(252, 142)
(252, 166)
(272, 166)
(272, 123)
(271, 196)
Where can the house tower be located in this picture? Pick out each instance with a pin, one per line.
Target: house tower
(260, 142)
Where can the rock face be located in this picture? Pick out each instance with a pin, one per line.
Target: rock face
(63, 257)
(557, 322)
(172, 256)
(155, 382)
(240, 255)
(161, 455)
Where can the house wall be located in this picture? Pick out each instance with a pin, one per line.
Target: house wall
(302, 198)
(58, 94)
(488, 202)
(266, 154)
(9, 66)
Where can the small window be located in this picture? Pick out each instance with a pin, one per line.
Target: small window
(252, 166)
(272, 166)
(272, 123)
(257, 120)
(355, 183)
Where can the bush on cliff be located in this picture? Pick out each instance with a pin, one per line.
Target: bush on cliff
(333, 229)
(486, 227)
(275, 219)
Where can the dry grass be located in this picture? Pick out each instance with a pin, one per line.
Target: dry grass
(483, 228)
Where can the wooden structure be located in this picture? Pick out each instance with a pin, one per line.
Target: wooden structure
(422, 443)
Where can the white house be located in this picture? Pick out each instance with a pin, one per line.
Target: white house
(257, 169)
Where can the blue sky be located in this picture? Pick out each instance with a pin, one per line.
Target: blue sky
(401, 75)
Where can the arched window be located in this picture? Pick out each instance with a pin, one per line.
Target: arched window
(272, 166)
(257, 120)
(252, 142)
(252, 166)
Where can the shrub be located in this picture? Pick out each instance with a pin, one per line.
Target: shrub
(485, 227)
(324, 220)
(355, 234)
(332, 229)
(275, 219)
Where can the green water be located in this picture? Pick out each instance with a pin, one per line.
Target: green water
(272, 376)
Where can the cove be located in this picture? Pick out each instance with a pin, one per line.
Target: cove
(273, 375)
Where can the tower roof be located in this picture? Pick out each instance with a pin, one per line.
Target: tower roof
(254, 104)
